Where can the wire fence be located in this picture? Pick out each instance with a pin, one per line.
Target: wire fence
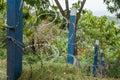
(46, 43)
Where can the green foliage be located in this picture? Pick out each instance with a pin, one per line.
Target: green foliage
(38, 3)
(114, 70)
(26, 13)
(2, 5)
(113, 6)
(2, 54)
(89, 28)
(32, 59)
(99, 28)
(77, 5)
(2, 29)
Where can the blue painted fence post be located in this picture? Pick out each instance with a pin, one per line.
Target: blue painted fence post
(95, 57)
(14, 32)
(71, 36)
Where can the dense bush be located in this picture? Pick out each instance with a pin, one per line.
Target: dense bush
(114, 70)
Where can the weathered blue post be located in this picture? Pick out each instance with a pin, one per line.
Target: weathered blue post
(101, 57)
(102, 62)
(14, 34)
(71, 36)
(95, 57)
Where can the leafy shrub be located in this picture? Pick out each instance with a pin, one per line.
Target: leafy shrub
(114, 71)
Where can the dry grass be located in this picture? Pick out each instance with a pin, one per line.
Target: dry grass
(3, 75)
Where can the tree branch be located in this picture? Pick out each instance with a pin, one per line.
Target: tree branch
(67, 5)
(80, 10)
(67, 8)
(60, 8)
(78, 17)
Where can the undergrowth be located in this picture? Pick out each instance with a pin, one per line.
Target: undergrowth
(55, 71)
(49, 71)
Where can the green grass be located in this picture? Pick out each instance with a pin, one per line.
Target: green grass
(49, 71)
(55, 71)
